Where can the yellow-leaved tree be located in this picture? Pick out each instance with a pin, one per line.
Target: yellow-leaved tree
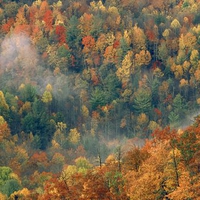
(74, 136)
(85, 25)
(127, 68)
(175, 25)
(142, 58)
(194, 60)
(138, 39)
(177, 70)
(47, 95)
(3, 103)
(23, 194)
(4, 129)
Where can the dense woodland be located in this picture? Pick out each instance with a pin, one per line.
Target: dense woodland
(100, 100)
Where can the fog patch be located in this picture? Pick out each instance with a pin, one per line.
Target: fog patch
(20, 63)
(189, 120)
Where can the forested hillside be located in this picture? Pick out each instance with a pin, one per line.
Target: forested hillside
(84, 83)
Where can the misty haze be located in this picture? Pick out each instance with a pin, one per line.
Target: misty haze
(99, 100)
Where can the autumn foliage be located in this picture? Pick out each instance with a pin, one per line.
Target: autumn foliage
(61, 33)
(48, 19)
(100, 100)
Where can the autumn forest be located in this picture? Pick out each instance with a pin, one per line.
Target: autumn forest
(100, 100)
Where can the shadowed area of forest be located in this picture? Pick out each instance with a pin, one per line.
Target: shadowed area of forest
(99, 93)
